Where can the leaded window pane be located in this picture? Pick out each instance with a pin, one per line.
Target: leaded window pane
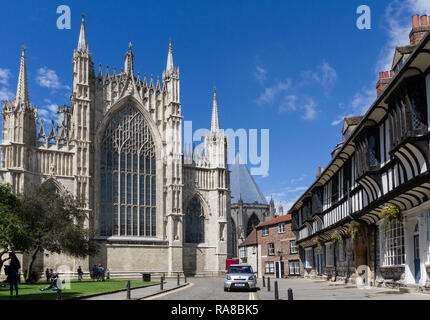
(127, 177)
(195, 222)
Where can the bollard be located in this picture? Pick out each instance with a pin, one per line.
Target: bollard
(268, 283)
(290, 294)
(128, 290)
(178, 279)
(161, 283)
(276, 291)
(264, 282)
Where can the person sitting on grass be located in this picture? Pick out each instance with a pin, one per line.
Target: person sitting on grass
(53, 284)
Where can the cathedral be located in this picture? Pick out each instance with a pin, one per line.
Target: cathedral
(155, 205)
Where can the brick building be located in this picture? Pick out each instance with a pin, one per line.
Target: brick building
(278, 255)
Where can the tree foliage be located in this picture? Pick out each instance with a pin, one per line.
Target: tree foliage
(14, 235)
(56, 223)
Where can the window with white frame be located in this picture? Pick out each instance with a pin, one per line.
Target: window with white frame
(271, 249)
(281, 228)
(265, 231)
(329, 261)
(392, 244)
(293, 247)
(269, 267)
(294, 268)
(308, 262)
(242, 252)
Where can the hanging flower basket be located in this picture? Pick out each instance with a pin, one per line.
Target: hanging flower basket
(352, 233)
(389, 214)
(319, 244)
(337, 238)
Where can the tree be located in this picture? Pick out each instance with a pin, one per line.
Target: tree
(56, 223)
(14, 235)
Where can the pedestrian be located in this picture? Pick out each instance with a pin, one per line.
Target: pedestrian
(59, 287)
(80, 274)
(107, 274)
(47, 274)
(100, 273)
(94, 272)
(13, 273)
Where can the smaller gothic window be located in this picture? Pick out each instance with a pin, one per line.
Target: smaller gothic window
(195, 222)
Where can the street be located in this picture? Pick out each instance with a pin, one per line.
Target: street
(303, 289)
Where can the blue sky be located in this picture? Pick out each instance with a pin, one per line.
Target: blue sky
(293, 67)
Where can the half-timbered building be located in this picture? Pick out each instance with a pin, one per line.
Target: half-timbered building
(382, 164)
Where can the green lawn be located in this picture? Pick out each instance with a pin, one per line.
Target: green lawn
(78, 289)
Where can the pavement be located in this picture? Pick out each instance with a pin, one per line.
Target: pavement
(303, 289)
(143, 293)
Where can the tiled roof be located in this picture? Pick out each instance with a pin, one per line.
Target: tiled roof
(243, 185)
(250, 240)
(276, 220)
(353, 120)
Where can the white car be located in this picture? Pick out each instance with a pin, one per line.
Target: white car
(240, 276)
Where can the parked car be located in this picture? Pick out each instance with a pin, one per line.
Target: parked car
(240, 276)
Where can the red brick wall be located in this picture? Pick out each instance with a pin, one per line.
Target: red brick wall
(281, 241)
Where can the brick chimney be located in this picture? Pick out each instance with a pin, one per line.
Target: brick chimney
(419, 29)
(384, 79)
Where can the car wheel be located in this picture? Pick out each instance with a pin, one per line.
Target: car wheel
(225, 290)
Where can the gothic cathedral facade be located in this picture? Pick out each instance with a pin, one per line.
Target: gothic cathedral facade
(154, 206)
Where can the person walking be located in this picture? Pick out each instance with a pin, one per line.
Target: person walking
(80, 274)
(94, 272)
(47, 275)
(13, 273)
(107, 274)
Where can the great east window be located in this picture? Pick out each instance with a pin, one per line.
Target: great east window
(127, 177)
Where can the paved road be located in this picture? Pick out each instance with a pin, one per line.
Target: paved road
(303, 289)
(139, 293)
(206, 289)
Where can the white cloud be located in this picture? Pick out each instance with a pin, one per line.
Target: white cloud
(289, 103)
(5, 94)
(270, 93)
(4, 76)
(260, 74)
(49, 79)
(308, 106)
(325, 75)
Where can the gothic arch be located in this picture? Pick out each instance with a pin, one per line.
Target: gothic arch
(121, 104)
(55, 183)
(252, 222)
(197, 209)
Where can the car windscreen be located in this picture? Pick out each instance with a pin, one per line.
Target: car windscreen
(239, 269)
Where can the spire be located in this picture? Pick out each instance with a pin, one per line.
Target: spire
(129, 61)
(22, 88)
(170, 64)
(215, 118)
(82, 43)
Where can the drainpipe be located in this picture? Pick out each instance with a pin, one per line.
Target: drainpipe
(375, 230)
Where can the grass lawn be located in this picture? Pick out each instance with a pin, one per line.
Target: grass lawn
(77, 289)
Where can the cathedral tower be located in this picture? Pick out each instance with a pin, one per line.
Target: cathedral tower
(82, 133)
(19, 130)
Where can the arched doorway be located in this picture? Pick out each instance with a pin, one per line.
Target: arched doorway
(194, 222)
